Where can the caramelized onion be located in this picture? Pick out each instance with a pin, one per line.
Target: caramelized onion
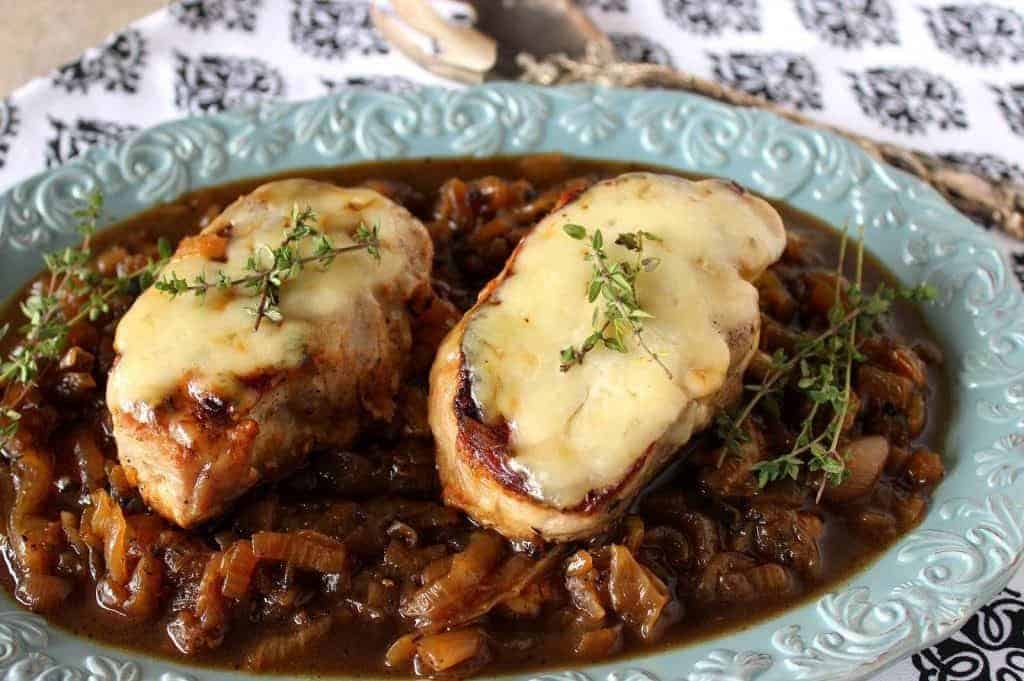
(600, 643)
(306, 549)
(36, 541)
(237, 567)
(144, 589)
(436, 600)
(636, 593)
(204, 627)
(441, 652)
(33, 480)
(633, 532)
(581, 583)
(90, 460)
(507, 584)
(109, 525)
(291, 645)
(400, 654)
(42, 593)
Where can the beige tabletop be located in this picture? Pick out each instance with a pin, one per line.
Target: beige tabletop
(38, 35)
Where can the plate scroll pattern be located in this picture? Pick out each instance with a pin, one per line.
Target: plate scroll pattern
(966, 549)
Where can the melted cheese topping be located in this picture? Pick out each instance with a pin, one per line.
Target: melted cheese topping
(210, 345)
(586, 429)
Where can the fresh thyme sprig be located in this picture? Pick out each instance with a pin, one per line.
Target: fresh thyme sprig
(615, 282)
(269, 268)
(821, 369)
(72, 277)
(12, 420)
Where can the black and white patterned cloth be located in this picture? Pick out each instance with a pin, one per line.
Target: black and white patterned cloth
(942, 75)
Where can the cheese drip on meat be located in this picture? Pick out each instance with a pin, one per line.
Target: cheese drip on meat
(209, 343)
(204, 406)
(573, 433)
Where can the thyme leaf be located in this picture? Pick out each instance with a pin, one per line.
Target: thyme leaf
(614, 284)
(72, 292)
(821, 370)
(268, 269)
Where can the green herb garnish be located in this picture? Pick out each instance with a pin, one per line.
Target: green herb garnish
(72, 278)
(269, 268)
(821, 369)
(615, 283)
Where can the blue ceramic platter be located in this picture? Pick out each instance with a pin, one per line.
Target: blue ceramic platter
(917, 593)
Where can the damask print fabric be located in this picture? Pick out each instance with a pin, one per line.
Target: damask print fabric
(942, 75)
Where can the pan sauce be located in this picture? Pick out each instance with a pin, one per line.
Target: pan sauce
(381, 498)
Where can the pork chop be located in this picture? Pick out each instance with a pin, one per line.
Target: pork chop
(540, 453)
(204, 406)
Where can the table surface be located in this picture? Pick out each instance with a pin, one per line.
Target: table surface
(42, 34)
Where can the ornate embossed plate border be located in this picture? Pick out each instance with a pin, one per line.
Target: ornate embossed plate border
(922, 590)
